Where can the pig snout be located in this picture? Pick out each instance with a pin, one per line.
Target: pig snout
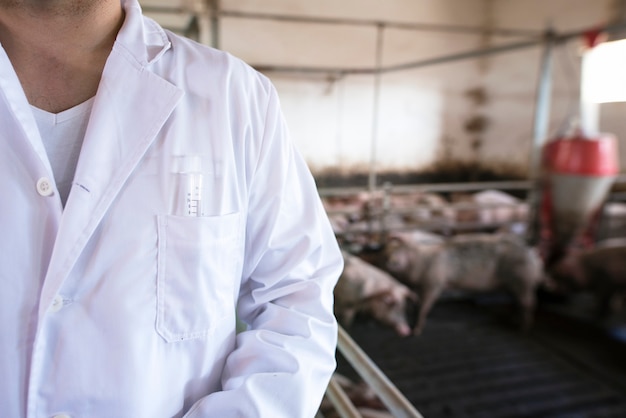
(398, 260)
(391, 310)
(403, 330)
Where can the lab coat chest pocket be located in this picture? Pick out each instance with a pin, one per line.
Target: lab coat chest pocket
(197, 265)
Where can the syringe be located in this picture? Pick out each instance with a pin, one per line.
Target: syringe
(193, 194)
(187, 191)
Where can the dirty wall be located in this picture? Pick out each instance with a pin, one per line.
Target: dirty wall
(473, 115)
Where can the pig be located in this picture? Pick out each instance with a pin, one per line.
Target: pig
(358, 391)
(365, 288)
(488, 208)
(468, 262)
(375, 254)
(419, 207)
(419, 236)
(500, 207)
(600, 270)
(360, 394)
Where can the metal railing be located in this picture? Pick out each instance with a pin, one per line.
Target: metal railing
(377, 206)
(391, 397)
(371, 374)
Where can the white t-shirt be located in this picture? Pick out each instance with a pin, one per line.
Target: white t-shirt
(62, 135)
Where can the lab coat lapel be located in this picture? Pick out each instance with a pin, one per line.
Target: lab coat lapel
(19, 119)
(130, 108)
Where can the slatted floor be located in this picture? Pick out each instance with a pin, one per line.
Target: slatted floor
(471, 362)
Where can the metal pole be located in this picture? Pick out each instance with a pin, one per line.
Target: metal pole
(542, 106)
(434, 187)
(204, 22)
(400, 67)
(377, 77)
(589, 110)
(393, 399)
(214, 10)
(340, 400)
(540, 134)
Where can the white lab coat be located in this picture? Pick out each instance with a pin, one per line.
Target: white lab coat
(120, 306)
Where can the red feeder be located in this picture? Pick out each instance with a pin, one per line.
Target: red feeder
(579, 173)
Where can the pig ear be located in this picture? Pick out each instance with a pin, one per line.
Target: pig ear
(394, 241)
(413, 297)
(549, 283)
(388, 298)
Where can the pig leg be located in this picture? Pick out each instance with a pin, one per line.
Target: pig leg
(617, 302)
(346, 316)
(604, 296)
(527, 301)
(428, 297)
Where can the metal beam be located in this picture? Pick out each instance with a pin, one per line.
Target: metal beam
(557, 38)
(417, 26)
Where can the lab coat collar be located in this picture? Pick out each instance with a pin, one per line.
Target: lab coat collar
(130, 108)
(143, 38)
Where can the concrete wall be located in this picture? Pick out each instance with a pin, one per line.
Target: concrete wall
(476, 111)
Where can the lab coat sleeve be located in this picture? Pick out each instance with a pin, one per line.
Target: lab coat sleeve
(284, 360)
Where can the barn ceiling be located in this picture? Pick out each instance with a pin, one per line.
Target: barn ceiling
(333, 28)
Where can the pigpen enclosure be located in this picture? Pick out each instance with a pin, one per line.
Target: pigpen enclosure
(470, 361)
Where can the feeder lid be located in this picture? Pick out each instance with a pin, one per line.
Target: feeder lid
(579, 155)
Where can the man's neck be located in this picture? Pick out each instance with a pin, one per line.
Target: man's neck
(59, 51)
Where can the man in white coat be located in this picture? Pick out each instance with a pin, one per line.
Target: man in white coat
(149, 196)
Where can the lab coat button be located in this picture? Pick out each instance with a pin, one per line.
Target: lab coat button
(57, 304)
(44, 187)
